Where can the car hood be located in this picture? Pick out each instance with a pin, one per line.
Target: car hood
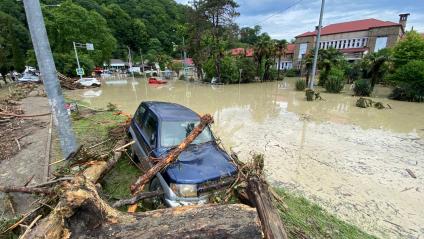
(199, 164)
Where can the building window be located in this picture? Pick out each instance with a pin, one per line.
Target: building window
(302, 50)
(380, 43)
(339, 45)
(364, 42)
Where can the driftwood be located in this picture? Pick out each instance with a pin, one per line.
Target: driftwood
(412, 174)
(173, 155)
(23, 116)
(253, 190)
(259, 194)
(136, 198)
(30, 190)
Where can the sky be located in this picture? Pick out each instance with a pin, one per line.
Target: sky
(284, 19)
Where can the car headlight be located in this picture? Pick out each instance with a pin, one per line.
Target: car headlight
(184, 190)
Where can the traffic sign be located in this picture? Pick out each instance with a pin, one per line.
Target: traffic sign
(89, 46)
(80, 71)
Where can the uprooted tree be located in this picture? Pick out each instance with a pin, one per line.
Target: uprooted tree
(80, 211)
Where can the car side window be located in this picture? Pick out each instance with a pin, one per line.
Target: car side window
(149, 128)
(139, 115)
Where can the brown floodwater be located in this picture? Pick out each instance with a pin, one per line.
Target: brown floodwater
(349, 160)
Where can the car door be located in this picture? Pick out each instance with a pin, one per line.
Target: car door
(149, 135)
(136, 125)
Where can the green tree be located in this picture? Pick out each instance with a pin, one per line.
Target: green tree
(13, 43)
(327, 58)
(263, 53)
(128, 32)
(72, 23)
(281, 48)
(376, 65)
(410, 47)
(410, 81)
(220, 14)
(250, 35)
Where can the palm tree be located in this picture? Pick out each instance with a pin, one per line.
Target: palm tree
(263, 51)
(376, 64)
(281, 47)
(327, 58)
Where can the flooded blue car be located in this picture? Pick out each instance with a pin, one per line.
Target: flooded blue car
(157, 128)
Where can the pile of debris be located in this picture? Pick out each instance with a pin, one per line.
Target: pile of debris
(76, 209)
(366, 103)
(71, 84)
(14, 124)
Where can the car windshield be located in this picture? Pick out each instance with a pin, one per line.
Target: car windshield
(174, 132)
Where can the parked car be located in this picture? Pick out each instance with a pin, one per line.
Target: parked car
(29, 78)
(89, 82)
(157, 128)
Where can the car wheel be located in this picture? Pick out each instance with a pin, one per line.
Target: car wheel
(156, 202)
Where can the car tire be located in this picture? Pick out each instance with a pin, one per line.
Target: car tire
(156, 202)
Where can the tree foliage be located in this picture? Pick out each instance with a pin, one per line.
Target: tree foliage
(13, 44)
(410, 48)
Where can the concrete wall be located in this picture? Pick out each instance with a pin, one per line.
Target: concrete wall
(392, 33)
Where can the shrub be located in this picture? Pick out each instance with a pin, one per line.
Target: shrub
(300, 85)
(335, 81)
(362, 88)
(292, 72)
(249, 69)
(409, 80)
(229, 71)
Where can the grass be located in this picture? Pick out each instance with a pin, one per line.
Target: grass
(304, 219)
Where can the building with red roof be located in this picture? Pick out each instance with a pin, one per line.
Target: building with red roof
(242, 52)
(354, 39)
(286, 61)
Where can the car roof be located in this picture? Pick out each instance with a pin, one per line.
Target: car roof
(171, 111)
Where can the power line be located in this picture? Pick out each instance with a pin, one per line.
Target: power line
(279, 12)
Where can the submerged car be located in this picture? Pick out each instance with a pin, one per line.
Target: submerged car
(89, 82)
(159, 127)
(29, 78)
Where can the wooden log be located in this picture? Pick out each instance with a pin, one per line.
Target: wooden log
(259, 195)
(30, 190)
(137, 198)
(209, 221)
(412, 174)
(24, 116)
(173, 155)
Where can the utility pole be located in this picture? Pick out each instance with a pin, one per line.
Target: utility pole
(185, 61)
(48, 71)
(76, 56)
(314, 66)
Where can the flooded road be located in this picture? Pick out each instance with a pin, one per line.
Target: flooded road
(349, 160)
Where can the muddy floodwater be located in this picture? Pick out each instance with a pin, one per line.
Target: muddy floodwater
(349, 160)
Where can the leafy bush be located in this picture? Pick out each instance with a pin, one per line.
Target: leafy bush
(353, 72)
(292, 72)
(335, 81)
(409, 79)
(362, 88)
(300, 85)
(248, 66)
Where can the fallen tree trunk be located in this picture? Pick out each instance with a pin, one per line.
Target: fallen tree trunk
(173, 155)
(254, 191)
(259, 195)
